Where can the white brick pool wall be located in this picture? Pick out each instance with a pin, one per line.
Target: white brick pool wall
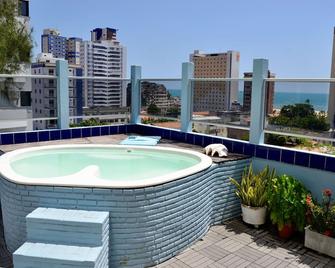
(147, 225)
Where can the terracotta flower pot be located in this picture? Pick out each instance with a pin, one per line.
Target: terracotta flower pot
(287, 231)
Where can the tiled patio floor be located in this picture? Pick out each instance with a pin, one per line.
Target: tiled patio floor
(236, 245)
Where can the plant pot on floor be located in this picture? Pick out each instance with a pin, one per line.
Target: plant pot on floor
(319, 242)
(287, 231)
(253, 215)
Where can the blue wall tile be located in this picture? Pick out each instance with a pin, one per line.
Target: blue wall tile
(198, 140)
(217, 140)
(249, 149)
(104, 130)
(122, 129)
(228, 144)
(261, 151)
(96, 131)
(86, 132)
(75, 133)
(43, 135)
(287, 156)
(32, 136)
(238, 147)
(274, 154)
(330, 163)
(65, 134)
(166, 134)
(317, 161)
(179, 136)
(207, 141)
(7, 138)
(302, 159)
(190, 138)
(20, 138)
(113, 130)
(55, 135)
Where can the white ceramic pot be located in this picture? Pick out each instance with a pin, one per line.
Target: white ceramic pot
(319, 242)
(253, 215)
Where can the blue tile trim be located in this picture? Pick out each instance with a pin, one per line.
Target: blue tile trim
(7, 138)
(330, 164)
(238, 147)
(302, 159)
(317, 161)
(122, 129)
(20, 138)
(198, 140)
(113, 130)
(228, 144)
(249, 149)
(96, 131)
(178, 136)
(261, 151)
(55, 135)
(274, 154)
(75, 133)
(44, 135)
(32, 136)
(86, 132)
(65, 134)
(104, 130)
(287, 156)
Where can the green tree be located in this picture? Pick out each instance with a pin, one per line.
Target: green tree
(16, 41)
(153, 109)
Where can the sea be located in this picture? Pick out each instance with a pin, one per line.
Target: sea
(318, 100)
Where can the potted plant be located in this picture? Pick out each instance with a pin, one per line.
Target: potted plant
(286, 201)
(320, 233)
(252, 193)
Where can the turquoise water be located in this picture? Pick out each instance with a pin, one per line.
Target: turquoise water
(318, 100)
(114, 164)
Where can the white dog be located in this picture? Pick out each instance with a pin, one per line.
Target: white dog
(214, 148)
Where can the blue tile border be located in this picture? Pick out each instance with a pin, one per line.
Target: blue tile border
(284, 155)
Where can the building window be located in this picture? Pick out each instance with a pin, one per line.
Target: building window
(23, 8)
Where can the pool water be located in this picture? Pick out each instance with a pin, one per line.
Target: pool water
(117, 164)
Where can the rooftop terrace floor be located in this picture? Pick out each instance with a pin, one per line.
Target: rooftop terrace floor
(232, 244)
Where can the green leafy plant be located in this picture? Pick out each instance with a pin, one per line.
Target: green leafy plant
(286, 201)
(252, 189)
(321, 217)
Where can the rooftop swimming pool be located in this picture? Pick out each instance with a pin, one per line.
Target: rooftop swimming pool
(100, 165)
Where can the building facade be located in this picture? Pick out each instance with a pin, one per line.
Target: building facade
(331, 99)
(104, 56)
(215, 96)
(52, 42)
(269, 93)
(44, 92)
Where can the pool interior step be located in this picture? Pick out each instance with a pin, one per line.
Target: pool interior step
(64, 238)
(67, 227)
(50, 255)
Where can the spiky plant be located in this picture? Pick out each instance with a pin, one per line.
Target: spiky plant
(252, 190)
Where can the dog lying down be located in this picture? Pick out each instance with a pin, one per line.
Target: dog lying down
(216, 149)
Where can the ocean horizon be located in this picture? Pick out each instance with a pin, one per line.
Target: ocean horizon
(281, 98)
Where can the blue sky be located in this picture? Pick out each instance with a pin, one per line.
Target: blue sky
(295, 35)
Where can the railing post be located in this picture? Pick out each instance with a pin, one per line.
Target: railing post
(135, 76)
(259, 73)
(186, 96)
(62, 72)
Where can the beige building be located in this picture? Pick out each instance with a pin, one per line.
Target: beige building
(331, 100)
(269, 93)
(215, 96)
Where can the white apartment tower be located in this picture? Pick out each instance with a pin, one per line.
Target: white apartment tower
(215, 96)
(103, 56)
(331, 100)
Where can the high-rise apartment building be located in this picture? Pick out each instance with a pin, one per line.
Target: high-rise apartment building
(269, 93)
(44, 91)
(215, 96)
(331, 99)
(73, 50)
(104, 56)
(52, 42)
